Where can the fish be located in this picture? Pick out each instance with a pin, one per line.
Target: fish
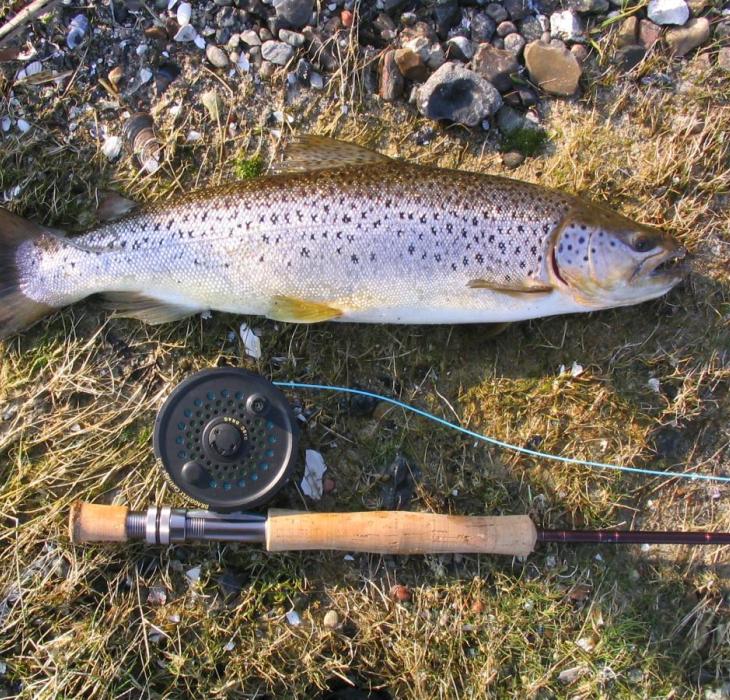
(338, 232)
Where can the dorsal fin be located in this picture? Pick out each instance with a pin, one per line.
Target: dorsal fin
(113, 206)
(321, 153)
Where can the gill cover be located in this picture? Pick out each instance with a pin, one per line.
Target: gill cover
(606, 259)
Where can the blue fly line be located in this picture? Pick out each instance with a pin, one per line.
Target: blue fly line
(500, 443)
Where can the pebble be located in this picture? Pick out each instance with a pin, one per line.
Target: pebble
(250, 38)
(531, 28)
(277, 52)
(627, 32)
(436, 57)
(509, 121)
(566, 25)
(668, 11)
(681, 40)
(482, 28)
(496, 65)
(517, 9)
(649, 33)
(580, 52)
(292, 38)
(506, 28)
(316, 81)
(496, 12)
(460, 48)
(514, 43)
(458, 94)
(294, 13)
(400, 593)
(347, 18)
(216, 56)
(512, 159)
(588, 6)
(553, 68)
(331, 619)
(411, 65)
(723, 58)
(267, 70)
(391, 79)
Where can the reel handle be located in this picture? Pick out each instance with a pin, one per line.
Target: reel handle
(381, 532)
(400, 532)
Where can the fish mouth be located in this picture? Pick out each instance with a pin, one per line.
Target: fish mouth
(669, 264)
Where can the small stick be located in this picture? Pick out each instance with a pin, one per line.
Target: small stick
(28, 13)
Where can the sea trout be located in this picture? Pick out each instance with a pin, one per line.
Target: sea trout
(343, 233)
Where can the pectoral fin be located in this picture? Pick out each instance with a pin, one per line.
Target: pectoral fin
(147, 309)
(321, 153)
(293, 310)
(526, 286)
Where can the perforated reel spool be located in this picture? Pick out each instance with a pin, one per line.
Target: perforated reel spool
(227, 438)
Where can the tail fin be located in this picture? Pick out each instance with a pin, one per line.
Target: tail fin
(17, 311)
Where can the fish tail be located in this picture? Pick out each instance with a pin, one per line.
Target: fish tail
(17, 310)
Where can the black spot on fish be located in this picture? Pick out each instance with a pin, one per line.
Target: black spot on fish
(354, 259)
(304, 252)
(411, 249)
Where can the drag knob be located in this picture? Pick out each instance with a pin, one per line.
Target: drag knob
(226, 440)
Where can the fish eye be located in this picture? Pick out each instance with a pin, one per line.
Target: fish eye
(642, 244)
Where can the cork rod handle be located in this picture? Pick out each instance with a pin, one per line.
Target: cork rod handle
(92, 522)
(400, 532)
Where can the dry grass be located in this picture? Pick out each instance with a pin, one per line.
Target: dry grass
(79, 394)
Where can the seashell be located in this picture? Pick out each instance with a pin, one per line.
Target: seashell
(167, 72)
(141, 140)
(186, 33)
(184, 12)
(115, 76)
(77, 29)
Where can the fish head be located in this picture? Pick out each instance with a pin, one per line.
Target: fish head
(604, 259)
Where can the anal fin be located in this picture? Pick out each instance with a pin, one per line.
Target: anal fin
(291, 310)
(147, 309)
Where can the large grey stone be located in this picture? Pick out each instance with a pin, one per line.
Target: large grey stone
(459, 95)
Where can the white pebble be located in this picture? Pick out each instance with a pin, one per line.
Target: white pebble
(316, 81)
(566, 25)
(112, 147)
(193, 575)
(23, 126)
(184, 12)
(655, 385)
(145, 75)
(199, 42)
(5, 123)
(193, 136)
(293, 618)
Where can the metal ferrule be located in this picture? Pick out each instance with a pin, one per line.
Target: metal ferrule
(165, 525)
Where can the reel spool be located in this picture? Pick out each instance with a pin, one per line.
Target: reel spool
(227, 438)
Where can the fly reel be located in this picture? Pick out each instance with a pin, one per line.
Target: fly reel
(227, 438)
